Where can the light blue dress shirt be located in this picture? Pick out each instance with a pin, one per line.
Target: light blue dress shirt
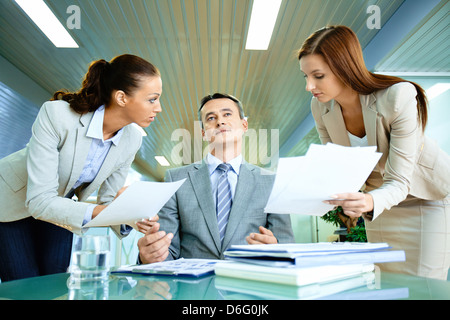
(97, 153)
(214, 175)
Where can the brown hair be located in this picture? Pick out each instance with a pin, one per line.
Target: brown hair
(340, 48)
(123, 73)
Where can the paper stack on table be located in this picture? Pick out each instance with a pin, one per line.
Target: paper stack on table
(305, 263)
(276, 291)
(314, 254)
(302, 183)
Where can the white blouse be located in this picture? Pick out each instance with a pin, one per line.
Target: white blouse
(357, 141)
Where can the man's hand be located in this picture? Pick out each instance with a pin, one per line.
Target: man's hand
(154, 246)
(264, 237)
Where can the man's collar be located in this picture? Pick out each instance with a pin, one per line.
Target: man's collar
(212, 162)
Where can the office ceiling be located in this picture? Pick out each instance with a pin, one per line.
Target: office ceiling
(199, 47)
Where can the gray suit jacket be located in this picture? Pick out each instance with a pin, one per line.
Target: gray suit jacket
(34, 180)
(191, 215)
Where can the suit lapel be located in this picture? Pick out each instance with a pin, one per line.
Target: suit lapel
(82, 146)
(370, 118)
(334, 122)
(240, 202)
(200, 181)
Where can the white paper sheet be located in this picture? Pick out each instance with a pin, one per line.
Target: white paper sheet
(142, 199)
(302, 183)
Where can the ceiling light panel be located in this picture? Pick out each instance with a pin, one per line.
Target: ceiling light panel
(262, 21)
(49, 24)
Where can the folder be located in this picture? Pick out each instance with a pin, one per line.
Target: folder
(249, 289)
(180, 267)
(291, 275)
(360, 287)
(314, 254)
(306, 264)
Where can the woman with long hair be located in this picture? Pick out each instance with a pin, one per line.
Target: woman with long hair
(405, 200)
(80, 142)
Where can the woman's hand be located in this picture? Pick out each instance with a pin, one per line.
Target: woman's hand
(120, 192)
(146, 224)
(100, 207)
(354, 204)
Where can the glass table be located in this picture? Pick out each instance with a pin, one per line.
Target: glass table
(127, 286)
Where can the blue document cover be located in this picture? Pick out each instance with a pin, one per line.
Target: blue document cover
(314, 254)
(181, 267)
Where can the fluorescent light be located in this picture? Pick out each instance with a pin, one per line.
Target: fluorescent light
(44, 18)
(144, 134)
(437, 89)
(162, 161)
(262, 21)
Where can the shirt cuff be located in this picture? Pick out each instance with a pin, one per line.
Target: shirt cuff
(125, 229)
(88, 213)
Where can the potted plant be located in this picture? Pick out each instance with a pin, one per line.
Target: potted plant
(356, 231)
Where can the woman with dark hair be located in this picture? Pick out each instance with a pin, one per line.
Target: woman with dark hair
(79, 144)
(406, 199)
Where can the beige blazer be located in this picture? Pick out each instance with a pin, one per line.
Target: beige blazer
(34, 180)
(411, 163)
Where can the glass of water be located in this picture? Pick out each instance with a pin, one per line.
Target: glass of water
(90, 259)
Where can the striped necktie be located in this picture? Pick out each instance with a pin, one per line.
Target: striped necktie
(224, 201)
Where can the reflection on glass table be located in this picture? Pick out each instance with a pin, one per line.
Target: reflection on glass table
(373, 285)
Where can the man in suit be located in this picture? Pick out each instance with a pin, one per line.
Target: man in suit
(193, 223)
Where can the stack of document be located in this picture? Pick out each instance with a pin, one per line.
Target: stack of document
(303, 264)
(365, 285)
(236, 288)
(303, 183)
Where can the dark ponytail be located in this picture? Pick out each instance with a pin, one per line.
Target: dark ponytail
(122, 73)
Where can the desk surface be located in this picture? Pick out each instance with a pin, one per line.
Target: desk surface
(134, 287)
